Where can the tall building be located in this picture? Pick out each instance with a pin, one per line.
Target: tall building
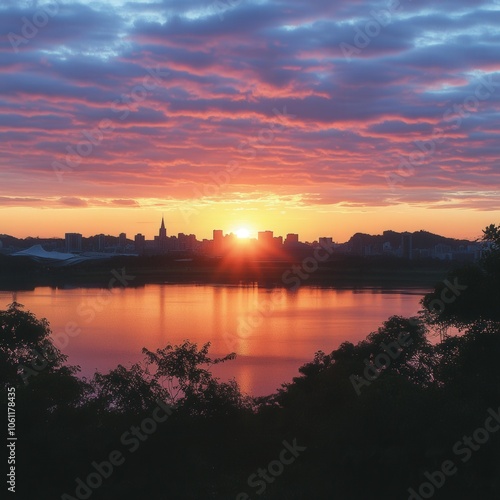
(101, 243)
(163, 229)
(122, 240)
(140, 243)
(218, 236)
(73, 242)
(161, 240)
(407, 245)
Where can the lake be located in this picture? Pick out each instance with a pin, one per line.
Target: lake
(273, 331)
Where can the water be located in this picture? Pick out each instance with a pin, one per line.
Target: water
(273, 332)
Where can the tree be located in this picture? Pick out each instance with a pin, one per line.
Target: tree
(125, 390)
(25, 346)
(184, 371)
(470, 293)
(467, 365)
(492, 234)
(491, 256)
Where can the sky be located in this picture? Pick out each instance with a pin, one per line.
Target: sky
(317, 117)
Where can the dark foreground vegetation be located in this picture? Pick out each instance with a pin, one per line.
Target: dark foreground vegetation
(411, 412)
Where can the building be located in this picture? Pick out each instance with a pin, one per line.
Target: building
(73, 242)
(218, 239)
(100, 243)
(161, 241)
(140, 243)
(407, 246)
(265, 238)
(122, 240)
(291, 238)
(325, 242)
(186, 241)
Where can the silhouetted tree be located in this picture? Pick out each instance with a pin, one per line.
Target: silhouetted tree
(125, 390)
(470, 293)
(491, 257)
(184, 371)
(25, 346)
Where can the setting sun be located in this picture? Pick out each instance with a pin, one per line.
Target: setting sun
(242, 233)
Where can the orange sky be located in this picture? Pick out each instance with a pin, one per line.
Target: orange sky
(310, 223)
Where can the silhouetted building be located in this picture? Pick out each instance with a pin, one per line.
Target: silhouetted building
(73, 242)
(100, 243)
(140, 243)
(326, 242)
(265, 237)
(291, 238)
(161, 240)
(122, 240)
(407, 246)
(186, 241)
(218, 236)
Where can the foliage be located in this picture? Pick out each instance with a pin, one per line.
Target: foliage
(491, 257)
(25, 342)
(183, 368)
(470, 293)
(126, 390)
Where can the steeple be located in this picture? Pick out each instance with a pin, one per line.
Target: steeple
(163, 230)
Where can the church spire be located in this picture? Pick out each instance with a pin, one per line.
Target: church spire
(163, 230)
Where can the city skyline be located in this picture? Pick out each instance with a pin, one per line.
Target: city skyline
(241, 232)
(244, 230)
(242, 242)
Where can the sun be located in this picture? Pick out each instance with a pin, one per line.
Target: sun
(243, 232)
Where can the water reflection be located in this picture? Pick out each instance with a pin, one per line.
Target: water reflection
(272, 331)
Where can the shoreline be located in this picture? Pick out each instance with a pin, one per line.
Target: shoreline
(341, 272)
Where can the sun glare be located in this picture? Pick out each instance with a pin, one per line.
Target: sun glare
(243, 233)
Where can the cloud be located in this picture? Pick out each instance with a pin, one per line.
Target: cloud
(73, 202)
(218, 85)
